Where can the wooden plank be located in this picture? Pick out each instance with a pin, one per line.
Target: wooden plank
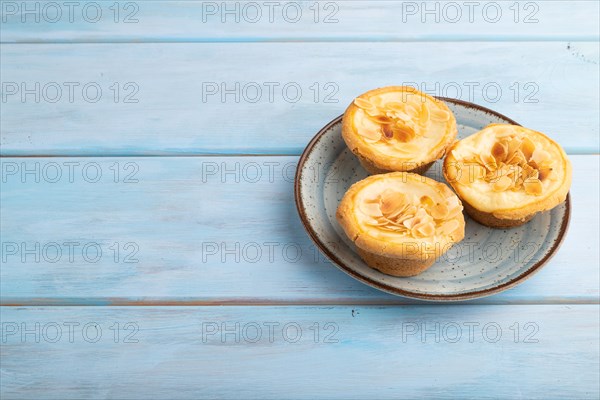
(170, 99)
(432, 352)
(181, 230)
(197, 21)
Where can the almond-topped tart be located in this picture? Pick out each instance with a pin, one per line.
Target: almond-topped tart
(505, 174)
(401, 222)
(398, 128)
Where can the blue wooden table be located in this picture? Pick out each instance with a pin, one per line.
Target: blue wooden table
(150, 243)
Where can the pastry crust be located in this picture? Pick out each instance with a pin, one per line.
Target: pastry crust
(394, 266)
(505, 174)
(401, 222)
(398, 128)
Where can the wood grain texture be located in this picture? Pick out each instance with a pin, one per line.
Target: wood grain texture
(551, 87)
(363, 350)
(186, 239)
(340, 20)
(199, 224)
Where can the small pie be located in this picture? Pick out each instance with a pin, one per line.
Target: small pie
(398, 128)
(505, 174)
(401, 222)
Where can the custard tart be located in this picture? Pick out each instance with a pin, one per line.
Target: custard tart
(401, 222)
(398, 128)
(505, 174)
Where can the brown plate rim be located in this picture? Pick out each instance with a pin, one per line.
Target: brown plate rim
(407, 293)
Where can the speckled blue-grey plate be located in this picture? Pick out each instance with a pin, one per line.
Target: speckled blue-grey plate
(487, 261)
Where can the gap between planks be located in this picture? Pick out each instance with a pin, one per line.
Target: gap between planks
(124, 302)
(340, 39)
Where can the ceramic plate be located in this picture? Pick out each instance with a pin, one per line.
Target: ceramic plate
(487, 261)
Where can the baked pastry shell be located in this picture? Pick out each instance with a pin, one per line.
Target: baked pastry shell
(518, 215)
(402, 267)
(377, 163)
(407, 258)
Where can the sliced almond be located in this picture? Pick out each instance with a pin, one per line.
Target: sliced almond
(488, 161)
(539, 156)
(519, 181)
(533, 186)
(402, 116)
(376, 101)
(370, 209)
(373, 112)
(437, 114)
(527, 147)
(404, 217)
(423, 229)
(382, 221)
(396, 228)
(502, 184)
(516, 170)
(392, 201)
(398, 214)
(363, 103)
(419, 217)
(449, 226)
(409, 222)
(439, 211)
(544, 173)
(531, 173)
(371, 134)
(518, 158)
(395, 106)
(499, 151)
(513, 145)
(403, 133)
(412, 209)
(504, 170)
(426, 201)
(382, 119)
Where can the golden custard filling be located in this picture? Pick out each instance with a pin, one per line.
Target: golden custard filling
(506, 166)
(403, 123)
(397, 210)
